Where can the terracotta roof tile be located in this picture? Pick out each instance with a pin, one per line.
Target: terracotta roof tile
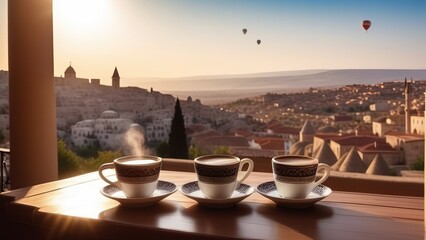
(270, 143)
(358, 140)
(225, 141)
(250, 152)
(377, 147)
(274, 123)
(242, 133)
(197, 127)
(406, 136)
(332, 136)
(286, 130)
(342, 118)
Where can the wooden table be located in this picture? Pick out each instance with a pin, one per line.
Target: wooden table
(74, 209)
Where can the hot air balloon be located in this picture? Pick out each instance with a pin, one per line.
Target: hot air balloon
(244, 30)
(258, 41)
(366, 24)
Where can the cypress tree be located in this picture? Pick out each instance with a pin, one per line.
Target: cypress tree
(178, 147)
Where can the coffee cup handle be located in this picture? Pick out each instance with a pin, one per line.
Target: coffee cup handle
(325, 175)
(102, 168)
(243, 162)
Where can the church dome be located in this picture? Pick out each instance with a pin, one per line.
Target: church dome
(109, 114)
(70, 72)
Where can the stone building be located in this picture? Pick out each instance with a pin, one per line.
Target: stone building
(108, 131)
(412, 146)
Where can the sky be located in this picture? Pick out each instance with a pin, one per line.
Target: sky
(180, 38)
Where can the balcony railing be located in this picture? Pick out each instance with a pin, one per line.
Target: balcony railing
(4, 169)
(338, 181)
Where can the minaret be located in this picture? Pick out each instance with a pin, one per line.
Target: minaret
(407, 107)
(115, 79)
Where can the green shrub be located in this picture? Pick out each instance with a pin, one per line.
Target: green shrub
(195, 152)
(221, 150)
(419, 164)
(68, 161)
(92, 164)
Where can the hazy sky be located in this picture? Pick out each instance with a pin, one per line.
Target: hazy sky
(176, 38)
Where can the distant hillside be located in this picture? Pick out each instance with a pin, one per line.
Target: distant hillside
(279, 80)
(220, 89)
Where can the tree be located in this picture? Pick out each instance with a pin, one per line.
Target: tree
(178, 147)
(162, 149)
(90, 151)
(68, 161)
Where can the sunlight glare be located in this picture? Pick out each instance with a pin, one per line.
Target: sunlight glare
(81, 15)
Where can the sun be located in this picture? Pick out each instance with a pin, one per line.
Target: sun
(81, 15)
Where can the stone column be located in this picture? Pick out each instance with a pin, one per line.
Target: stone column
(33, 144)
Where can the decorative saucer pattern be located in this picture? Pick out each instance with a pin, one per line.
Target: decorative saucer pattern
(163, 190)
(192, 191)
(269, 190)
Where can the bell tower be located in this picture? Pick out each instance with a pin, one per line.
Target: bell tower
(115, 79)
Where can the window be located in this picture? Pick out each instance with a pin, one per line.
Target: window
(233, 52)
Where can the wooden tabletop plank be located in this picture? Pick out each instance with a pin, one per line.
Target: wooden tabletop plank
(78, 203)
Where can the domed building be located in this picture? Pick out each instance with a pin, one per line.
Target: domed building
(109, 114)
(70, 78)
(70, 72)
(108, 130)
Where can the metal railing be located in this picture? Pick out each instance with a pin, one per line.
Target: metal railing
(4, 169)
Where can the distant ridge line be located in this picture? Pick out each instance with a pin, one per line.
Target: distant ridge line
(312, 79)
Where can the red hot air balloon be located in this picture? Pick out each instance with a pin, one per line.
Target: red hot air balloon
(244, 30)
(366, 24)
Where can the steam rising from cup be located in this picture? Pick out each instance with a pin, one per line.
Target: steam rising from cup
(135, 142)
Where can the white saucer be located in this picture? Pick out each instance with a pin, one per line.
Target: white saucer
(163, 190)
(192, 191)
(269, 190)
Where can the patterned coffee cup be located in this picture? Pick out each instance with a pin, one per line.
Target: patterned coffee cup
(295, 175)
(137, 175)
(218, 174)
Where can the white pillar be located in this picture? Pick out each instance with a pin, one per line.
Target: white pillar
(33, 145)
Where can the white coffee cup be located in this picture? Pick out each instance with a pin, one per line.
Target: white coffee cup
(137, 175)
(295, 175)
(218, 175)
